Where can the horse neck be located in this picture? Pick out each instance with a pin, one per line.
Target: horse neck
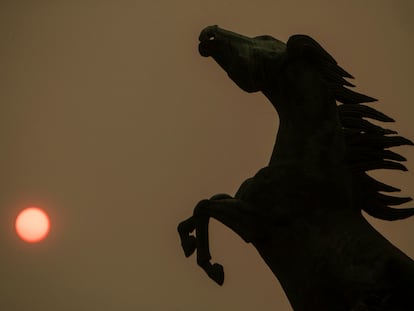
(309, 134)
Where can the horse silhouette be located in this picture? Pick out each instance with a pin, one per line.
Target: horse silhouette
(302, 212)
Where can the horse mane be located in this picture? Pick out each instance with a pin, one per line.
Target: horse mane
(367, 144)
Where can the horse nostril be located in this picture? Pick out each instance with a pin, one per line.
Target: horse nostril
(208, 33)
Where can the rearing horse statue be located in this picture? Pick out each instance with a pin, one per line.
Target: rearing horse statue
(302, 212)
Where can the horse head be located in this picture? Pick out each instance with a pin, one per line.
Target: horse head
(246, 60)
(294, 75)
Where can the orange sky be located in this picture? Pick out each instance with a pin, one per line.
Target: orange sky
(112, 122)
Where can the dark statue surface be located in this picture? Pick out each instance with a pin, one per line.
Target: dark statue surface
(302, 212)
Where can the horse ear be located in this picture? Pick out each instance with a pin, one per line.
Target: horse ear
(303, 46)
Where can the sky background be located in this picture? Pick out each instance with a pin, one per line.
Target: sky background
(112, 122)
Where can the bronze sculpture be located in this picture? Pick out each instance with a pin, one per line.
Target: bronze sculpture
(302, 212)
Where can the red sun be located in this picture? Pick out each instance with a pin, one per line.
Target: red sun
(32, 224)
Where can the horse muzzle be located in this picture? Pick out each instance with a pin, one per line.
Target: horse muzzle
(207, 37)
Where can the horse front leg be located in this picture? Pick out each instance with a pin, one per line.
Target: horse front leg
(186, 227)
(234, 213)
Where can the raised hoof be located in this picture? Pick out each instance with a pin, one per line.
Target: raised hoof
(216, 272)
(189, 245)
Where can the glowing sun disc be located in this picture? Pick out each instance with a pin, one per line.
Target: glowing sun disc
(32, 224)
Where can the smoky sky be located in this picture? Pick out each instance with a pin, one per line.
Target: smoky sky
(113, 123)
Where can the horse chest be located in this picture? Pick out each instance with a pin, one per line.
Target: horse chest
(282, 191)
